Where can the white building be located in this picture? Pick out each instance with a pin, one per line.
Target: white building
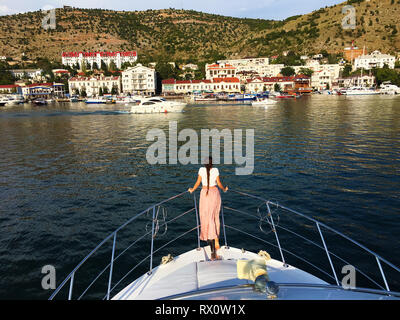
(357, 81)
(220, 70)
(323, 74)
(139, 80)
(259, 66)
(322, 80)
(229, 85)
(118, 57)
(34, 74)
(91, 85)
(374, 60)
(190, 67)
(43, 90)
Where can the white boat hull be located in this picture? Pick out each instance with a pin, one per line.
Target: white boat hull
(172, 108)
(263, 103)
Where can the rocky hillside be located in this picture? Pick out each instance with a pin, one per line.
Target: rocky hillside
(190, 35)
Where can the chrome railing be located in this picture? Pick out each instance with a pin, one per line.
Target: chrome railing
(265, 214)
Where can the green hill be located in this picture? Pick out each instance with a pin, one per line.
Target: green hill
(182, 35)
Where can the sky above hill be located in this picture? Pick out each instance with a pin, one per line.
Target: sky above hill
(263, 9)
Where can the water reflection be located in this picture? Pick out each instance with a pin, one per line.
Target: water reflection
(72, 171)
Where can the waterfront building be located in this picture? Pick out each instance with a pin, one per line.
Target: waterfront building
(374, 60)
(139, 80)
(259, 66)
(321, 80)
(92, 85)
(357, 81)
(10, 88)
(299, 84)
(118, 57)
(220, 70)
(228, 85)
(43, 90)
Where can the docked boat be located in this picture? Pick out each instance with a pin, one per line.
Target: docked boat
(388, 88)
(128, 99)
(286, 96)
(208, 97)
(242, 97)
(360, 91)
(263, 102)
(99, 100)
(239, 274)
(157, 105)
(40, 102)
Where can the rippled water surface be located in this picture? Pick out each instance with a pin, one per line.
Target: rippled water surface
(70, 174)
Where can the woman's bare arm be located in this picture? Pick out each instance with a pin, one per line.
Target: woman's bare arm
(221, 186)
(191, 190)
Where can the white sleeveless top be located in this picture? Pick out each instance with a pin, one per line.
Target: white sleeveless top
(214, 173)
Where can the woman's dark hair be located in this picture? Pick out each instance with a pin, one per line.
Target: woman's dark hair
(208, 167)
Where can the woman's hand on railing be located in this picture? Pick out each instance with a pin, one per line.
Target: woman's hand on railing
(191, 190)
(226, 189)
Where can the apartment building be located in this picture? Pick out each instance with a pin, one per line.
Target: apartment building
(92, 85)
(139, 80)
(374, 60)
(229, 85)
(118, 57)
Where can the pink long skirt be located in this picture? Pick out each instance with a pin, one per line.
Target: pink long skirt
(209, 207)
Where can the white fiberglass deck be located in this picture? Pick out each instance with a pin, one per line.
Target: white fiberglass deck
(193, 271)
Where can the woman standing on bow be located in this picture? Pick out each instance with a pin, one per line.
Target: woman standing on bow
(210, 205)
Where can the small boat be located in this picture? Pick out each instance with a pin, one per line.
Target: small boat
(40, 102)
(242, 97)
(158, 105)
(263, 102)
(286, 96)
(388, 88)
(99, 100)
(360, 91)
(63, 100)
(128, 99)
(208, 97)
(74, 99)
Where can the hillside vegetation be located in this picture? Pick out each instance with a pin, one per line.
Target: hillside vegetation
(184, 35)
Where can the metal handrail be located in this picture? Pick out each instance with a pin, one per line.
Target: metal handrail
(71, 275)
(269, 218)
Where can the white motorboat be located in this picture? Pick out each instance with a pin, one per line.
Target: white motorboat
(193, 275)
(99, 100)
(388, 88)
(157, 105)
(360, 91)
(263, 102)
(13, 99)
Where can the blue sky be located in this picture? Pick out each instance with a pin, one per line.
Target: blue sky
(263, 9)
